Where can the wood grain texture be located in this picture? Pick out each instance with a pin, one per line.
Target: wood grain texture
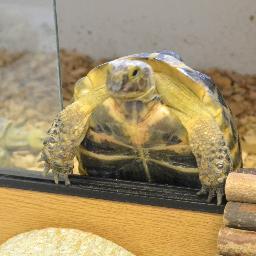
(246, 171)
(236, 242)
(241, 187)
(143, 230)
(240, 215)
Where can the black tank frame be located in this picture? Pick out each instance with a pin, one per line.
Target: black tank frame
(115, 190)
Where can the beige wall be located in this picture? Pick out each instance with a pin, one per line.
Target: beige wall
(27, 25)
(206, 33)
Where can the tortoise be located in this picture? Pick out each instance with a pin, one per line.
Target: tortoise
(14, 137)
(146, 117)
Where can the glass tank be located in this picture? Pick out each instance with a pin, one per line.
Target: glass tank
(29, 80)
(222, 47)
(92, 32)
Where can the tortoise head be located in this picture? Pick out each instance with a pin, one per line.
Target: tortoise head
(130, 79)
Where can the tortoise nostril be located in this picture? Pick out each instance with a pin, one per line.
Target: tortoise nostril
(135, 72)
(125, 79)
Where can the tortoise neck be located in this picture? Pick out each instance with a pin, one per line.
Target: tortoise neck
(136, 110)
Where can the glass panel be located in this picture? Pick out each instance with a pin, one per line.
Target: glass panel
(224, 48)
(29, 80)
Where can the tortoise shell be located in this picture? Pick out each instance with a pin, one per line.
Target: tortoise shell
(134, 142)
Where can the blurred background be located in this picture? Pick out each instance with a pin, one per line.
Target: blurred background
(216, 37)
(206, 33)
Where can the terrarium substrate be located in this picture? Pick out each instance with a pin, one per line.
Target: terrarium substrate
(33, 102)
(28, 101)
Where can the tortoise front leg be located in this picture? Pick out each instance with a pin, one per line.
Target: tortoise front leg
(212, 156)
(205, 137)
(63, 138)
(67, 132)
(210, 149)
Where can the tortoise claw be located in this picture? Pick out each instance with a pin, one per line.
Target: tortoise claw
(211, 195)
(46, 169)
(220, 194)
(66, 179)
(56, 177)
(202, 191)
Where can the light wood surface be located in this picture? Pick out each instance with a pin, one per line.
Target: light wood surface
(236, 242)
(240, 215)
(240, 187)
(143, 230)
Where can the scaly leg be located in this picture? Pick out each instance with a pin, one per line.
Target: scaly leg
(209, 148)
(67, 132)
(213, 157)
(196, 110)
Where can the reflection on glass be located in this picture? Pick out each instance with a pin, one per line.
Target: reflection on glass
(29, 81)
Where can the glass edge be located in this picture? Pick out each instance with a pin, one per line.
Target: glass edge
(58, 53)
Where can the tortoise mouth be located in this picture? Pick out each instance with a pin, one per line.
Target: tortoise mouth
(129, 96)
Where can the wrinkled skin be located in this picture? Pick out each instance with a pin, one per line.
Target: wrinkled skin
(132, 80)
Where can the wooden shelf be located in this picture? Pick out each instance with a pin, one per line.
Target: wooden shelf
(144, 230)
(145, 219)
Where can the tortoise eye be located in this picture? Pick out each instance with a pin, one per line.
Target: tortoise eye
(135, 72)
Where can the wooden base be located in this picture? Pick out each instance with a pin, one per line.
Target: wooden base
(238, 237)
(141, 229)
(236, 242)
